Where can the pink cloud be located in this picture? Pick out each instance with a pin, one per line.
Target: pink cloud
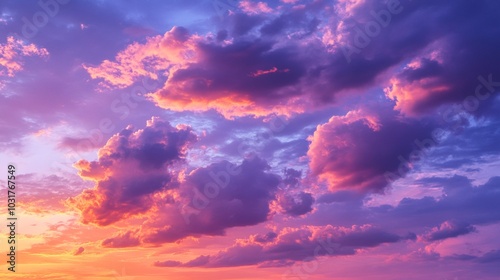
(265, 72)
(171, 51)
(411, 96)
(79, 251)
(348, 7)
(250, 7)
(362, 151)
(12, 53)
(332, 146)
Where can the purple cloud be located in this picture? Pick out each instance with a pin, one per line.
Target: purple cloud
(296, 205)
(215, 198)
(365, 152)
(131, 168)
(293, 245)
(448, 229)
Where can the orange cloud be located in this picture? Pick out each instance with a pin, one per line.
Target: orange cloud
(229, 105)
(204, 75)
(169, 52)
(410, 95)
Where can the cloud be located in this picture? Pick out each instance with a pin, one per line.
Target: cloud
(237, 71)
(77, 144)
(254, 64)
(250, 7)
(144, 60)
(454, 67)
(295, 244)
(492, 256)
(268, 237)
(296, 205)
(339, 196)
(267, 58)
(121, 240)
(448, 229)
(131, 168)
(207, 201)
(470, 143)
(167, 263)
(225, 79)
(79, 251)
(214, 198)
(199, 69)
(12, 53)
(358, 151)
(47, 194)
(457, 212)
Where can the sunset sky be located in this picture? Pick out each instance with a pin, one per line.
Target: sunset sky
(227, 139)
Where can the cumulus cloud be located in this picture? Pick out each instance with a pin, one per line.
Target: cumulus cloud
(360, 150)
(131, 168)
(236, 72)
(287, 60)
(203, 74)
(454, 66)
(254, 64)
(214, 198)
(207, 201)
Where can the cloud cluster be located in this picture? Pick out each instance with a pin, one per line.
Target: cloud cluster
(141, 172)
(294, 244)
(295, 58)
(455, 66)
(254, 63)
